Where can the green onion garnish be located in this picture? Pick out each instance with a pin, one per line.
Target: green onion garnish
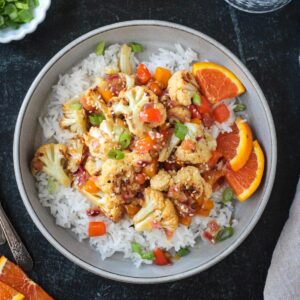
(137, 248)
(136, 47)
(22, 5)
(224, 234)
(96, 119)
(116, 154)
(100, 48)
(125, 139)
(75, 106)
(182, 252)
(240, 107)
(227, 195)
(148, 255)
(197, 99)
(180, 130)
(52, 186)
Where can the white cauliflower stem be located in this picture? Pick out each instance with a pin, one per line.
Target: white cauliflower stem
(49, 159)
(75, 151)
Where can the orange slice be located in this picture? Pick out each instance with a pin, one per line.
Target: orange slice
(236, 146)
(246, 181)
(217, 82)
(8, 293)
(13, 276)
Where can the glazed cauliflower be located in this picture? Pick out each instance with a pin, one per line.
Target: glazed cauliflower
(110, 205)
(50, 159)
(161, 181)
(157, 211)
(117, 176)
(131, 104)
(188, 187)
(168, 148)
(75, 152)
(74, 117)
(182, 87)
(197, 146)
(93, 165)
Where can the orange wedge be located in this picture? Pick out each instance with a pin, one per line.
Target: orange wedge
(246, 181)
(236, 146)
(217, 82)
(8, 293)
(13, 276)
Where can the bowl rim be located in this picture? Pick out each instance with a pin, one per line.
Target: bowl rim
(74, 258)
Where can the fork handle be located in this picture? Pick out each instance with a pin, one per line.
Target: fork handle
(20, 253)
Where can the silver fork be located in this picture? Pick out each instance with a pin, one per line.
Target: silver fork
(20, 253)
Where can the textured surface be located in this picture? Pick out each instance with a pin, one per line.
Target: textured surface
(267, 44)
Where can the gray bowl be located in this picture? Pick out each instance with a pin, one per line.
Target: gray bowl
(28, 135)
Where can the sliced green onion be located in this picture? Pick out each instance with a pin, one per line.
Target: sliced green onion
(125, 139)
(197, 99)
(180, 130)
(96, 119)
(116, 154)
(136, 47)
(240, 107)
(148, 255)
(224, 234)
(25, 16)
(22, 5)
(52, 186)
(100, 48)
(137, 248)
(227, 195)
(182, 252)
(75, 106)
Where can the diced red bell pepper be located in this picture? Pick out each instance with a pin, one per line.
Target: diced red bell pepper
(221, 113)
(160, 258)
(143, 75)
(151, 114)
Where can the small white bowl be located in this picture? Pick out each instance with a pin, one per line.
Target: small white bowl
(39, 13)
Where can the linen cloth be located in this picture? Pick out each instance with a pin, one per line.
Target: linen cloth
(283, 279)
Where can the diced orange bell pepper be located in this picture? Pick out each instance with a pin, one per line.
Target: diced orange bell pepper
(162, 75)
(205, 208)
(91, 187)
(150, 170)
(185, 220)
(131, 210)
(144, 145)
(96, 229)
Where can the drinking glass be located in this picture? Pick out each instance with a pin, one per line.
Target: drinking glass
(258, 6)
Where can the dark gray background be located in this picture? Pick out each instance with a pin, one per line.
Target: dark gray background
(267, 44)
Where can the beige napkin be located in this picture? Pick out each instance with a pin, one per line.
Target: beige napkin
(283, 280)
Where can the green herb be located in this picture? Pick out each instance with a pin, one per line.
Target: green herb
(197, 99)
(180, 130)
(116, 154)
(148, 255)
(240, 107)
(224, 234)
(52, 186)
(96, 119)
(100, 48)
(13, 13)
(227, 195)
(125, 139)
(182, 252)
(136, 47)
(75, 106)
(137, 248)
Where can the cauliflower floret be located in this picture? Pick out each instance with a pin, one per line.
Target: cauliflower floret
(75, 152)
(93, 165)
(74, 117)
(110, 205)
(117, 176)
(156, 211)
(202, 145)
(188, 187)
(50, 159)
(100, 140)
(125, 59)
(168, 148)
(182, 87)
(161, 181)
(131, 103)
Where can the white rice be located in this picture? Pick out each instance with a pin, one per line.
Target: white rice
(69, 207)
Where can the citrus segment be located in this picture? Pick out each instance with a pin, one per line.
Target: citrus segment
(246, 181)
(13, 276)
(217, 82)
(8, 293)
(236, 146)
